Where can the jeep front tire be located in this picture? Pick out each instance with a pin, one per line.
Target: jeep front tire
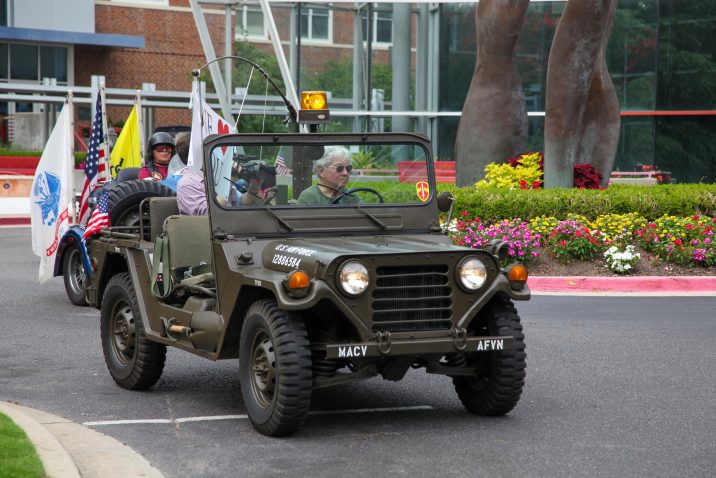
(497, 385)
(274, 369)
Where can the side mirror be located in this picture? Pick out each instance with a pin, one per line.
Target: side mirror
(445, 201)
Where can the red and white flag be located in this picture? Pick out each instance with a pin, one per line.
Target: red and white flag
(94, 164)
(281, 168)
(99, 218)
(206, 121)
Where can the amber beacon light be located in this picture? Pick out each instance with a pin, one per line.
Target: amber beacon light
(314, 108)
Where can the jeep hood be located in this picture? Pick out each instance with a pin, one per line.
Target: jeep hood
(315, 255)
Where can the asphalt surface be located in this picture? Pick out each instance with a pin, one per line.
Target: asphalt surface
(615, 385)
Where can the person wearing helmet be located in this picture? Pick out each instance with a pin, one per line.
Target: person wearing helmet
(161, 149)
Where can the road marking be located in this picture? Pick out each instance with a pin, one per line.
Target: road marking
(169, 421)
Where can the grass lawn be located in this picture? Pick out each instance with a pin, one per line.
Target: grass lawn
(17, 455)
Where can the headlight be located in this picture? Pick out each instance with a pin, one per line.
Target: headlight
(472, 273)
(353, 277)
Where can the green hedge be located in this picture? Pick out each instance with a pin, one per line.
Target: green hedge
(650, 202)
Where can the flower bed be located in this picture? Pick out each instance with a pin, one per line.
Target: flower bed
(680, 240)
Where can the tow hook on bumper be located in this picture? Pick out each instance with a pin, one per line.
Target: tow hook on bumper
(443, 345)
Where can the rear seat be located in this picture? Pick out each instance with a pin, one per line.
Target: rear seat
(182, 250)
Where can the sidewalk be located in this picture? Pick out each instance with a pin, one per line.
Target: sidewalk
(70, 450)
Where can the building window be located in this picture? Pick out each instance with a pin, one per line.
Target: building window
(53, 63)
(250, 23)
(3, 13)
(316, 23)
(3, 61)
(23, 62)
(382, 26)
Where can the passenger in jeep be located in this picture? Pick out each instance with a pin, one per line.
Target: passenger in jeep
(161, 150)
(333, 170)
(191, 193)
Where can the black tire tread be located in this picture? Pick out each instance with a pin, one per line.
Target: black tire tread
(506, 376)
(148, 364)
(75, 298)
(293, 358)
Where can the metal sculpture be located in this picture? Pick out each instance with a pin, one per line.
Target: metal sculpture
(493, 126)
(582, 118)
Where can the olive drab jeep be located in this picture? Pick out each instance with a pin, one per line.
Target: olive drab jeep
(311, 294)
(321, 261)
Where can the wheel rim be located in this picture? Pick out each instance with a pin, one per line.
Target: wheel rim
(129, 219)
(263, 369)
(77, 272)
(123, 333)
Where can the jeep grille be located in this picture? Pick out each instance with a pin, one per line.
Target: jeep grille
(412, 298)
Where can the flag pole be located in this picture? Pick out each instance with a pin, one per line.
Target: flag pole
(105, 135)
(69, 103)
(140, 126)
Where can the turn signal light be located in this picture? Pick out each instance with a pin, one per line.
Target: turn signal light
(298, 280)
(297, 284)
(517, 275)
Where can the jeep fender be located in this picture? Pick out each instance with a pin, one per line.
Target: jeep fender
(71, 238)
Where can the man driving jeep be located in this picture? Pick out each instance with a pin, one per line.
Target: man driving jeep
(333, 170)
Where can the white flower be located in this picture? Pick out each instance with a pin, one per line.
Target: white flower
(621, 262)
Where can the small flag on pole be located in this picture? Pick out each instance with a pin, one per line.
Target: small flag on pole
(99, 218)
(92, 163)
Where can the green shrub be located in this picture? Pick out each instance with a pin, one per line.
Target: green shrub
(649, 202)
(79, 155)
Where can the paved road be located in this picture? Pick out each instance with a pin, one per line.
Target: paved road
(614, 386)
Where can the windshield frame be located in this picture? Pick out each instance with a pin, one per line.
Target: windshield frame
(315, 220)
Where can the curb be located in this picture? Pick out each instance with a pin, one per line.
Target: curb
(55, 459)
(91, 454)
(642, 285)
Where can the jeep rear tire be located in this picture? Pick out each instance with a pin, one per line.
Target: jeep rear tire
(73, 273)
(274, 369)
(123, 199)
(134, 362)
(497, 386)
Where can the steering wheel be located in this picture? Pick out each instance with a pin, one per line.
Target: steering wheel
(350, 192)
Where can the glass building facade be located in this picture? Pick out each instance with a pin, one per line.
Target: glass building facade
(662, 60)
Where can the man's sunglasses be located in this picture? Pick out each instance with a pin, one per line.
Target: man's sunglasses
(340, 167)
(164, 149)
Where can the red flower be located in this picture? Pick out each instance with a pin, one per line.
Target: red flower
(677, 242)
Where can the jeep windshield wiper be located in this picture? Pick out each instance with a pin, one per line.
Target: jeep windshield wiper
(371, 217)
(279, 219)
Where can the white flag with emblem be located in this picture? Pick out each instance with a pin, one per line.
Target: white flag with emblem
(206, 121)
(51, 195)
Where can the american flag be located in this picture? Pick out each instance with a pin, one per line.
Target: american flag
(99, 218)
(281, 168)
(92, 163)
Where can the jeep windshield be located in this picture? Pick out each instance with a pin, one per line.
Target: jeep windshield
(271, 184)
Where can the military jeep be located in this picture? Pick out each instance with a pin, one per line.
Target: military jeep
(308, 296)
